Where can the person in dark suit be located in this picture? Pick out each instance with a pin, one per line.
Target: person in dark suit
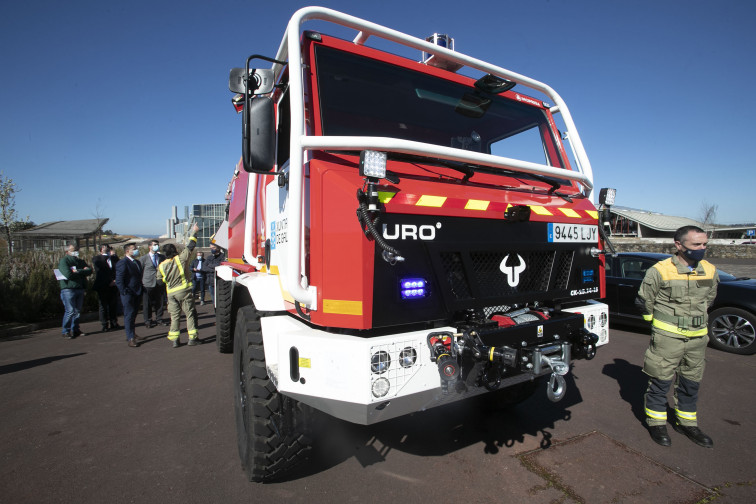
(105, 286)
(153, 292)
(198, 277)
(129, 283)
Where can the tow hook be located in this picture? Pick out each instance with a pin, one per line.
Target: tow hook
(557, 386)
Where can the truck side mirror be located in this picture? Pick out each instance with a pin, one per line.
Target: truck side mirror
(258, 135)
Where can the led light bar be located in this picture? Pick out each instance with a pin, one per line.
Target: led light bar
(607, 196)
(413, 288)
(373, 164)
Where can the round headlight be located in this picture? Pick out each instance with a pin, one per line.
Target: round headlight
(381, 387)
(591, 322)
(603, 318)
(380, 362)
(407, 357)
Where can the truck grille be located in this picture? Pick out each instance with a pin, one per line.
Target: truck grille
(478, 274)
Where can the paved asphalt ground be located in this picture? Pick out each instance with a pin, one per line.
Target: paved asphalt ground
(92, 421)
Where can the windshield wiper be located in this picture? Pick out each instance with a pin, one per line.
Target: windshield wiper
(467, 170)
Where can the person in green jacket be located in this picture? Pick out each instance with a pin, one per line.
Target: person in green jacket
(675, 296)
(74, 273)
(176, 275)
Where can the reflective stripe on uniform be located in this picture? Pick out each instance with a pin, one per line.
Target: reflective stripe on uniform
(183, 285)
(664, 326)
(656, 415)
(686, 415)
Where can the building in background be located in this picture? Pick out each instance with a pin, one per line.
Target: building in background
(632, 223)
(207, 216)
(86, 234)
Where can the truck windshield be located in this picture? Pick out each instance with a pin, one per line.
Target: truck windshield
(365, 97)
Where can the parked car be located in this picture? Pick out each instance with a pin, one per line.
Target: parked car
(732, 317)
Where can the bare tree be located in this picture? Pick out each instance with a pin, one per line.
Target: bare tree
(98, 214)
(8, 214)
(708, 214)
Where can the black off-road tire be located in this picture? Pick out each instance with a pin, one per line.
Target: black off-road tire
(270, 426)
(224, 317)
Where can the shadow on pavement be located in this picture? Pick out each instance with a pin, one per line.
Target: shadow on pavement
(439, 431)
(22, 366)
(632, 384)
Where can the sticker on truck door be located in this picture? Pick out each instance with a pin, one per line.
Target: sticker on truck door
(572, 233)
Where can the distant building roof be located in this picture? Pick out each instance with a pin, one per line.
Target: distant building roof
(655, 221)
(64, 228)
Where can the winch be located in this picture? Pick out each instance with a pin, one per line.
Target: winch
(517, 342)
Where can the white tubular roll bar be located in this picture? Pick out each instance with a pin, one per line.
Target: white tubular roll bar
(290, 50)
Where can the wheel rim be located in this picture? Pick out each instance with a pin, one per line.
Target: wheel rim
(733, 331)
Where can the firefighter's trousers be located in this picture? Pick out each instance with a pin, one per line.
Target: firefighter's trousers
(177, 302)
(677, 359)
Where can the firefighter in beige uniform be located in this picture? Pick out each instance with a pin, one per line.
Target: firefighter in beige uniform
(675, 296)
(178, 286)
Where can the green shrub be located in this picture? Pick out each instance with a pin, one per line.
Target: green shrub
(28, 289)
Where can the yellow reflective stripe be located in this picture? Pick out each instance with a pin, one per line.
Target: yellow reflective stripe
(569, 212)
(686, 415)
(181, 266)
(540, 210)
(192, 332)
(668, 271)
(656, 415)
(592, 213)
(342, 307)
(184, 284)
(475, 204)
(664, 326)
(385, 197)
(431, 201)
(648, 318)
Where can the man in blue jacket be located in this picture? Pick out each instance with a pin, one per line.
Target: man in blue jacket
(74, 272)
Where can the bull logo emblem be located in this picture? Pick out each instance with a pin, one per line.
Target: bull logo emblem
(512, 272)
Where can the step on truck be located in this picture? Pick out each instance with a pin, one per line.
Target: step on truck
(405, 229)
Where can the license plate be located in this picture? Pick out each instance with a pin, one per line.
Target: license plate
(572, 233)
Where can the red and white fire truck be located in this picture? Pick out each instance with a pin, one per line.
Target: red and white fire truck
(401, 234)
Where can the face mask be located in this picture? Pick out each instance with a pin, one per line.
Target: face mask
(75, 253)
(695, 255)
(155, 248)
(199, 257)
(135, 253)
(216, 252)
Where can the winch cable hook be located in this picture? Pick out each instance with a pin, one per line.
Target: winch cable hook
(557, 386)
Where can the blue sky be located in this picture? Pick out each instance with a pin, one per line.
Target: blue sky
(123, 108)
